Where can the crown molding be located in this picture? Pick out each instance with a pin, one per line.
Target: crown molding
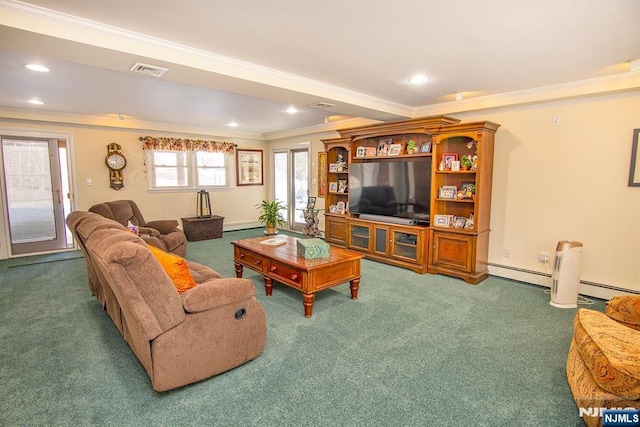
(47, 22)
(607, 85)
(332, 126)
(112, 122)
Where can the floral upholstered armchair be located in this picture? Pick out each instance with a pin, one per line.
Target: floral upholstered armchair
(603, 366)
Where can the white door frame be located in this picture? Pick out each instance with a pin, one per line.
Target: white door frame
(5, 237)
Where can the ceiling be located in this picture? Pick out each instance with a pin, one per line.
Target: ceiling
(249, 60)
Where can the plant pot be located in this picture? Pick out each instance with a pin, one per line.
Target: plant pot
(270, 229)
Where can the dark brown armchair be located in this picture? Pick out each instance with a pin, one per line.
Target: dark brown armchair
(163, 234)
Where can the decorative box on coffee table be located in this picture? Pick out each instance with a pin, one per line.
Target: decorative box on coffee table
(313, 248)
(202, 228)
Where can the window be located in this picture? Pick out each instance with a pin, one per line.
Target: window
(186, 170)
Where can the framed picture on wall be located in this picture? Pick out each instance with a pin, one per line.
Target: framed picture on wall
(322, 174)
(249, 167)
(634, 172)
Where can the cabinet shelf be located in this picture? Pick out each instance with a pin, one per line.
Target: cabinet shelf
(400, 156)
(456, 200)
(456, 172)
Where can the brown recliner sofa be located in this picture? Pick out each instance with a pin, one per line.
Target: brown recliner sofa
(179, 338)
(603, 365)
(163, 234)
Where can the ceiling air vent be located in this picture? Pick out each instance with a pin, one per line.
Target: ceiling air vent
(149, 70)
(322, 105)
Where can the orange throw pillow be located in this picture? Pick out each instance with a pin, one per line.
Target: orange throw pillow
(176, 268)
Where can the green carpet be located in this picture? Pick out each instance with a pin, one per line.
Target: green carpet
(413, 350)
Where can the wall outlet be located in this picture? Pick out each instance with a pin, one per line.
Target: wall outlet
(543, 257)
(506, 253)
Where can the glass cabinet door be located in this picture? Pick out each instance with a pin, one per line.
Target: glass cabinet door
(405, 245)
(359, 236)
(380, 246)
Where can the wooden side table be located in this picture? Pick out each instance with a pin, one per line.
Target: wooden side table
(202, 228)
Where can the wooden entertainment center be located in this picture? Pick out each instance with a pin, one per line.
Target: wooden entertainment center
(443, 232)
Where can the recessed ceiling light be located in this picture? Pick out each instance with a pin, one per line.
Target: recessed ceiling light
(418, 79)
(292, 110)
(35, 102)
(233, 124)
(459, 96)
(37, 67)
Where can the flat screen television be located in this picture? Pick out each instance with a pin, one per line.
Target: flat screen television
(395, 188)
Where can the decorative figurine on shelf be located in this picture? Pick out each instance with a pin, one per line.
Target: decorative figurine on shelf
(340, 162)
(441, 166)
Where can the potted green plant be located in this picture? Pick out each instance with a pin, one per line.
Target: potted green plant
(411, 147)
(465, 162)
(271, 215)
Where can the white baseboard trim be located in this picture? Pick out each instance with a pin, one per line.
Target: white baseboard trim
(593, 289)
(241, 226)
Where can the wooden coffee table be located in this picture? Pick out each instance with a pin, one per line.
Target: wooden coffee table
(284, 264)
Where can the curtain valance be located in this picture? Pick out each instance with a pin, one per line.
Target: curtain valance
(182, 144)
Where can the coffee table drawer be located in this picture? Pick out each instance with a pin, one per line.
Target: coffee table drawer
(285, 273)
(250, 259)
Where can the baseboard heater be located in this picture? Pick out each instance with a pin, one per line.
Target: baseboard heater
(584, 282)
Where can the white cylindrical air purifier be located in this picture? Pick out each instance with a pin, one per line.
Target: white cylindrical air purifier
(566, 274)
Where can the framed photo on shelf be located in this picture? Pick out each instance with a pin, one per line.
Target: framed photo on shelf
(455, 166)
(395, 149)
(447, 192)
(342, 186)
(370, 152)
(468, 188)
(333, 187)
(447, 160)
(425, 147)
(340, 207)
(441, 220)
(459, 222)
(360, 151)
(249, 167)
(383, 147)
(333, 167)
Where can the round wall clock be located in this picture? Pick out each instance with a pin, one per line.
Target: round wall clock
(116, 162)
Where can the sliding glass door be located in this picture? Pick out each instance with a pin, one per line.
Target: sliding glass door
(291, 183)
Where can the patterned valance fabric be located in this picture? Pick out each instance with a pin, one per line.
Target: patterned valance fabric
(181, 144)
